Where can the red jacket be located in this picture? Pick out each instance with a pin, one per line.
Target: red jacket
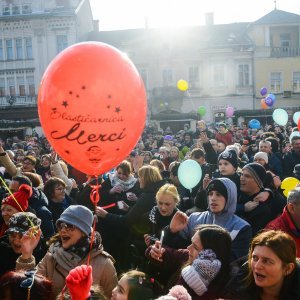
(286, 224)
(226, 138)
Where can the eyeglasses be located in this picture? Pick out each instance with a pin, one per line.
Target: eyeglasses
(29, 281)
(66, 226)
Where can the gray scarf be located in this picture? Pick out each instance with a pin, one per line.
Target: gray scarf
(127, 185)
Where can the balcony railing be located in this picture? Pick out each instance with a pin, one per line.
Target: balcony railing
(285, 51)
(13, 101)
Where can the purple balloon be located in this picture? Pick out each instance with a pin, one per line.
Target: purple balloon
(263, 91)
(269, 101)
(168, 137)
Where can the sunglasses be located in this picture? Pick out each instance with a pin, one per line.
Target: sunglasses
(29, 281)
(66, 226)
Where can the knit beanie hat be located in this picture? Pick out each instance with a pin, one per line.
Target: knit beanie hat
(179, 292)
(79, 216)
(258, 172)
(22, 196)
(22, 221)
(222, 125)
(217, 185)
(262, 155)
(230, 156)
(203, 270)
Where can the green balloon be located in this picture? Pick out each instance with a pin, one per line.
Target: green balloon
(202, 111)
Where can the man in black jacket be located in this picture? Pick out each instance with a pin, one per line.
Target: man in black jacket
(292, 158)
(38, 203)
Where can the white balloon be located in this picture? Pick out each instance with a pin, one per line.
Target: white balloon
(296, 117)
(280, 116)
(189, 173)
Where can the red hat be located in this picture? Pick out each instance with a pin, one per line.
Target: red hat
(22, 196)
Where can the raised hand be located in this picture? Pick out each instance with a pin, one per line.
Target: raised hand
(206, 181)
(117, 189)
(79, 282)
(157, 251)
(29, 241)
(178, 222)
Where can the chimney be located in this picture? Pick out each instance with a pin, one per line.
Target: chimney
(209, 19)
(96, 25)
(146, 18)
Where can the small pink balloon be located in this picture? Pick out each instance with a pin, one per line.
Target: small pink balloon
(229, 111)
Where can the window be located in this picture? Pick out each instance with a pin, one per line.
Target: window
(9, 50)
(19, 49)
(21, 86)
(6, 11)
(31, 87)
(285, 40)
(61, 42)
(296, 82)
(167, 75)
(219, 76)
(26, 9)
(28, 43)
(11, 86)
(243, 75)
(1, 51)
(276, 82)
(16, 10)
(193, 76)
(144, 74)
(2, 87)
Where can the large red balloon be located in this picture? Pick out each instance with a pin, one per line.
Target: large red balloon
(92, 106)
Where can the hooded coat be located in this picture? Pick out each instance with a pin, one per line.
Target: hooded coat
(239, 230)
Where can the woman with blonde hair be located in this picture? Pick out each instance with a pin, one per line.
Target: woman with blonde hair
(174, 153)
(167, 200)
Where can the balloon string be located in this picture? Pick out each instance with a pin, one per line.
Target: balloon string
(92, 241)
(62, 292)
(108, 206)
(95, 198)
(20, 207)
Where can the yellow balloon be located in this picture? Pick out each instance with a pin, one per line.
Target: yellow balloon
(182, 85)
(286, 193)
(289, 183)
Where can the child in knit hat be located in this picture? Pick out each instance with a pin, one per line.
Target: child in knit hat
(18, 202)
(272, 181)
(227, 168)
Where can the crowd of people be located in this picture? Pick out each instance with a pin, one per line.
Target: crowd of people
(235, 235)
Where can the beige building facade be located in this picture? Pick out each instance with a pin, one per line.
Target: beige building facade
(225, 65)
(32, 33)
